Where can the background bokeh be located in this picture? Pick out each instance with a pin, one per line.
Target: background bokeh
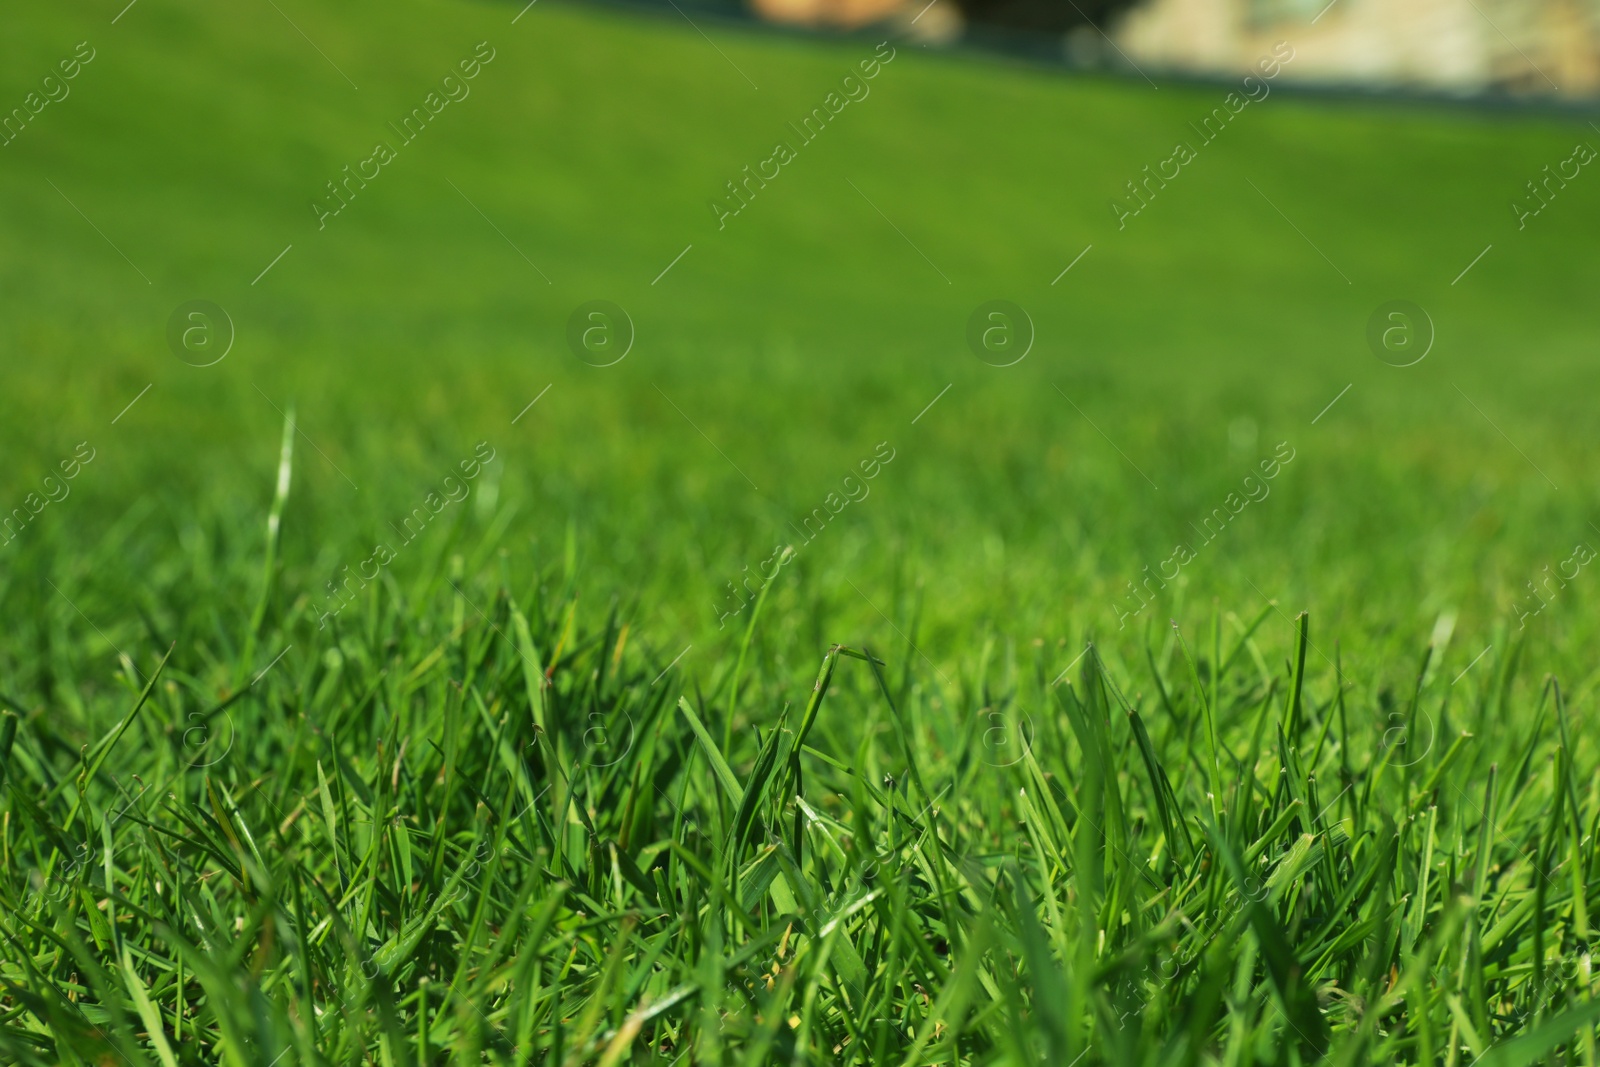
(820, 321)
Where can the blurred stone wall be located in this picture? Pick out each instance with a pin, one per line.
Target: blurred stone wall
(1468, 46)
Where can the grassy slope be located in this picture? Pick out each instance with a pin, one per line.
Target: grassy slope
(796, 339)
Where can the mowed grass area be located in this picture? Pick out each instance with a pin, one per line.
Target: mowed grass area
(521, 793)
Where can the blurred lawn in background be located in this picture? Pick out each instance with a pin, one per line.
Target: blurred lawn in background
(817, 324)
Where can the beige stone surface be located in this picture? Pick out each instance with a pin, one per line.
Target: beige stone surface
(1541, 46)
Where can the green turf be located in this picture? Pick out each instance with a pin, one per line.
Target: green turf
(521, 797)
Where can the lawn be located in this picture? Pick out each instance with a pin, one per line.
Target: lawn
(419, 681)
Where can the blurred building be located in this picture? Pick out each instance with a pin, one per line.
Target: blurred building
(1543, 46)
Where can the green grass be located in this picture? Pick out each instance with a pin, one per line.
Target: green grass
(522, 799)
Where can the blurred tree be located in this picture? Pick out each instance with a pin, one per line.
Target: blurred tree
(1041, 16)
